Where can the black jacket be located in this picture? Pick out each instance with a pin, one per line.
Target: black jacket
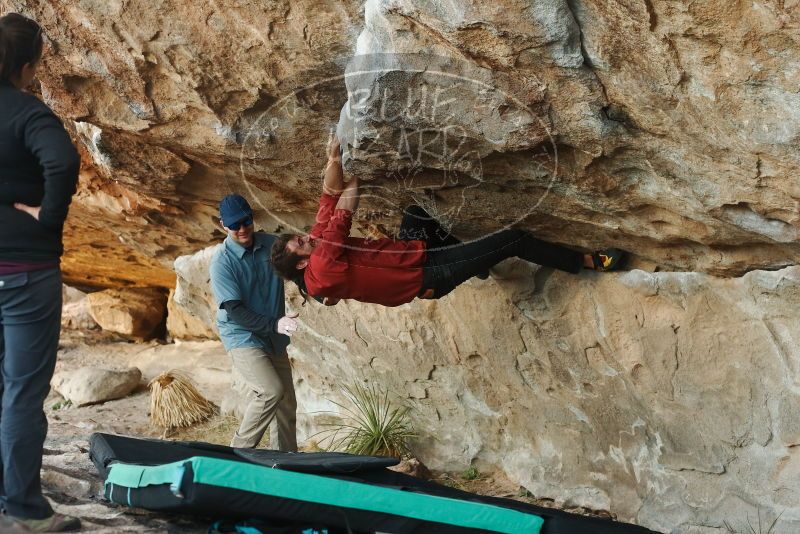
(39, 167)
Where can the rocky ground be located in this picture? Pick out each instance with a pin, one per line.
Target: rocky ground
(71, 481)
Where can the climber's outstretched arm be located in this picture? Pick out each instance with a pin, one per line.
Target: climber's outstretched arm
(349, 199)
(333, 176)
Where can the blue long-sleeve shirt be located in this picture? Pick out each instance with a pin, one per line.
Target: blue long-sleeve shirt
(246, 276)
(39, 166)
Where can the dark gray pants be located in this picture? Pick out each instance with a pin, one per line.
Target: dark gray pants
(450, 263)
(30, 322)
(447, 268)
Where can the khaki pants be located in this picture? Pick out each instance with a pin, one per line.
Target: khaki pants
(270, 396)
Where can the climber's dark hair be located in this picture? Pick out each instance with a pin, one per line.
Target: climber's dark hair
(285, 263)
(20, 43)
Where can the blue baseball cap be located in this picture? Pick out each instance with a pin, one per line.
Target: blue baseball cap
(234, 208)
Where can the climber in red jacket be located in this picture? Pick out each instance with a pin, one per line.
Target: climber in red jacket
(425, 261)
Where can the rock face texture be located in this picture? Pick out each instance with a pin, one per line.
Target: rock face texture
(136, 312)
(678, 139)
(667, 398)
(668, 128)
(75, 313)
(191, 310)
(162, 98)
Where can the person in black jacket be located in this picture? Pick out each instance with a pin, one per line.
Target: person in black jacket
(38, 175)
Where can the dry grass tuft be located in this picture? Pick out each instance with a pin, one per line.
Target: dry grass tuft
(175, 402)
(218, 430)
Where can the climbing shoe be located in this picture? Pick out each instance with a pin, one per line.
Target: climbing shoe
(54, 523)
(609, 259)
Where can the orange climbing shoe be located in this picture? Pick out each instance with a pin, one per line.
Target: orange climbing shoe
(609, 259)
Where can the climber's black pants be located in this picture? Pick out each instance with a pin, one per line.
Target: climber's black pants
(418, 225)
(450, 263)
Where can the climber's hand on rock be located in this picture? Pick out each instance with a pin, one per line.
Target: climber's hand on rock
(334, 152)
(333, 175)
(287, 324)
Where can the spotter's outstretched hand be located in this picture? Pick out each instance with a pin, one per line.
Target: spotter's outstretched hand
(287, 325)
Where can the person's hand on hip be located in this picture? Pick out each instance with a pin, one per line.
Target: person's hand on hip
(33, 211)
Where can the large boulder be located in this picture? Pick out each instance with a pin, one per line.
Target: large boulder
(75, 312)
(548, 115)
(669, 130)
(182, 324)
(191, 310)
(134, 312)
(669, 399)
(90, 385)
(163, 98)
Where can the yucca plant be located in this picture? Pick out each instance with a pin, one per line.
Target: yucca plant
(371, 426)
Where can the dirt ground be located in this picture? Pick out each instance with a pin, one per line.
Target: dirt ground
(70, 480)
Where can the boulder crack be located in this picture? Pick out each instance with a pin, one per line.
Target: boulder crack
(572, 6)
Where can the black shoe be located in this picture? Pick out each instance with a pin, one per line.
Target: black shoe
(54, 523)
(9, 526)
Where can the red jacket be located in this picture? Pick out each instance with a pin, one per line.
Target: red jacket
(382, 271)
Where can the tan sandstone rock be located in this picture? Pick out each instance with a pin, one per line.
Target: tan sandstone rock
(135, 312)
(666, 398)
(191, 310)
(646, 394)
(75, 313)
(90, 385)
(163, 98)
(668, 128)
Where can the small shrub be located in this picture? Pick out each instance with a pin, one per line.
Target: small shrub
(175, 402)
(522, 492)
(752, 529)
(471, 474)
(372, 426)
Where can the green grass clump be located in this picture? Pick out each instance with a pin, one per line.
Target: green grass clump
(62, 404)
